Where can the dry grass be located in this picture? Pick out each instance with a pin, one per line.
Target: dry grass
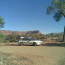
(9, 59)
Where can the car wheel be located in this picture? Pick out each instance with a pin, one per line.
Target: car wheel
(21, 44)
(34, 44)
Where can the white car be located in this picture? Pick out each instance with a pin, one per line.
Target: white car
(29, 41)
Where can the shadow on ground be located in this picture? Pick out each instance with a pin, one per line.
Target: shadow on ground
(17, 45)
(54, 44)
(60, 44)
(47, 44)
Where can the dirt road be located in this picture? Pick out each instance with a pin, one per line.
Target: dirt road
(38, 55)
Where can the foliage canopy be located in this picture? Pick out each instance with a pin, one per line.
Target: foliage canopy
(1, 22)
(57, 8)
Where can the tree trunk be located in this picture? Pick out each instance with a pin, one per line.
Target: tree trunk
(64, 35)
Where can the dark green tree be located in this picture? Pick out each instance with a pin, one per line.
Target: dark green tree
(1, 22)
(58, 9)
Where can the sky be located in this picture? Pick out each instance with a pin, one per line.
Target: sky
(29, 15)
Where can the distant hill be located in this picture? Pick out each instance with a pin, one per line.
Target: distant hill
(20, 32)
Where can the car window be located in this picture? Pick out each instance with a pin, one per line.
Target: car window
(32, 39)
(25, 39)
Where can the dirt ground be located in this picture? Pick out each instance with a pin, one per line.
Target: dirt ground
(35, 55)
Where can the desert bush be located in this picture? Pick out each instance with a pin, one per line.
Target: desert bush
(12, 38)
(36, 36)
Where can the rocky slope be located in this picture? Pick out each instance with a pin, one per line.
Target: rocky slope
(19, 32)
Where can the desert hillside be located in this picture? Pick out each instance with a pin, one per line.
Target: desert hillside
(19, 32)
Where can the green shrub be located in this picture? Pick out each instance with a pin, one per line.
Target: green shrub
(2, 38)
(12, 38)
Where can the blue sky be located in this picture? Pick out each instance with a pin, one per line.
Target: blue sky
(26, 15)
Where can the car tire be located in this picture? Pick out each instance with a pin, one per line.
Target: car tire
(34, 44)
(21, 44)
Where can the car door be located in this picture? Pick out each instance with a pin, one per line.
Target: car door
(25, 40)
(30, 42)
